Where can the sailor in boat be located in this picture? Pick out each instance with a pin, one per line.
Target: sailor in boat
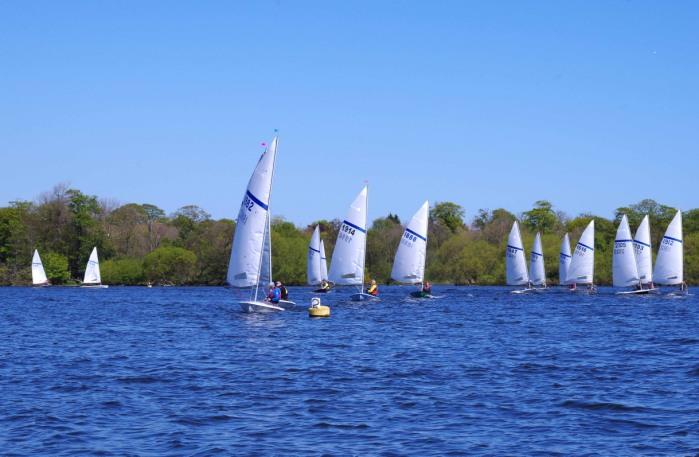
(283, 291)
(275, 294)
(373, 289)
(426, 288)
(324, 285)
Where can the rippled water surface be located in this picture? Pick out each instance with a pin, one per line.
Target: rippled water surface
(180, 371)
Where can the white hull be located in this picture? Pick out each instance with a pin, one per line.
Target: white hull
(361, 296)
(253, 306)
(523, 291)
(94, 286)
(639, 292)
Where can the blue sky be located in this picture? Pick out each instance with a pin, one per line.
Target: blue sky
(592, 105)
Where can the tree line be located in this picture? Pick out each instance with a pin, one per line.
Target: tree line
(139, 243)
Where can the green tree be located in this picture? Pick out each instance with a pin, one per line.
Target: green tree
(56, 267)
(448, 214)
(123, 271)
(170, 264)
(541, 218)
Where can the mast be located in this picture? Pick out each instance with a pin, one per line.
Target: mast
(267, 224)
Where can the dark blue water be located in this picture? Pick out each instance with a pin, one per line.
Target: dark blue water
(180, 371)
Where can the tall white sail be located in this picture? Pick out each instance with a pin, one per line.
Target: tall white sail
(515, 263)
(251, 231)
(409, 263)
(669, 263)
(624, 269)
(642, 250)
(347, 265)
(38, 273)
(582, 265)
(564, 261)
(323, 262)
(92, 272)
(266, 265)
(313, 272)
(537, 271)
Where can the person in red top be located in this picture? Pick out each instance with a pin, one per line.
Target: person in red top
(373, 289)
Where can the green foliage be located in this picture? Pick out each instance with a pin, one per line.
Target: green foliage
(56, 267)
(170, 264)
(448, 214)
(138, 242)
(123, 271)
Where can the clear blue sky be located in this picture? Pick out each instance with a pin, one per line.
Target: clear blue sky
(592, 105)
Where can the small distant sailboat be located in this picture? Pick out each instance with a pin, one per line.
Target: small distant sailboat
(38, 274)
(515, 262)
(582, 265)
(537, 269)
(317, 269)
(564, 261)
(644, 260)
(347, 265)
(409, 263)
(624, 267)
(250, 264)
(669, 265)
(93, 278)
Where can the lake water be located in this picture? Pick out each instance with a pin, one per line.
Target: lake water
(181, 371)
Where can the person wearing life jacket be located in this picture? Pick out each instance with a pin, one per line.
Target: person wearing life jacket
(426, 288)
(284, 294)
(275, 294)
(373, 289)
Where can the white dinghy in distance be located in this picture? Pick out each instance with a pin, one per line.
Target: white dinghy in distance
(582, 265)
(323, 262)
(644, 257)
(564, 261)
(313, 271)
(39, 278)
(669, 265)
(409, 262)
(347, 265)
(537, 270)
(515, 262)
(624, 268)
(93, 278)
(250, 264)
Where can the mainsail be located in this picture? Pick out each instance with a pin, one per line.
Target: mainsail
(515, 262)
(314, 273)
(564, 261)
(582, 265)
(624, 269)
(669, 263)
(38, 274)
(642, 251)
(92, 272)
(347, 265)
(536, 263)
(323, 262)
(409, 263)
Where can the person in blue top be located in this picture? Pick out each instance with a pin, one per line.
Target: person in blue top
(275, 294)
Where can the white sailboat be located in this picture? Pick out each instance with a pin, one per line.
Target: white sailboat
(564, 261)
(38, 274)
(624, 268)
(409, 262)
(582, 265)
(93, 278)
(250, 264)
(669, 265)
(537, 270)
(313, 270)
(347, 265)
(644, 258)
(515, 262)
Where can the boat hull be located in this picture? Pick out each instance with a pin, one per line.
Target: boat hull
(638, 292)
(361, 296)
(94, 286)
(253, 306)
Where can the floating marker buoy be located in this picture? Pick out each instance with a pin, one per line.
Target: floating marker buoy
(318, 310)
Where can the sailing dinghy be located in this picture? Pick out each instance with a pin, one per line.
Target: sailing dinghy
(347, 265)
(624, 267)
(93, 278)
(669, 265)
(537, 271)
(644, 261)
(317, 270)
(38, 274)
(409, 263)
(564, 261)
(250, 265)
(515, 262)
(582, 265)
